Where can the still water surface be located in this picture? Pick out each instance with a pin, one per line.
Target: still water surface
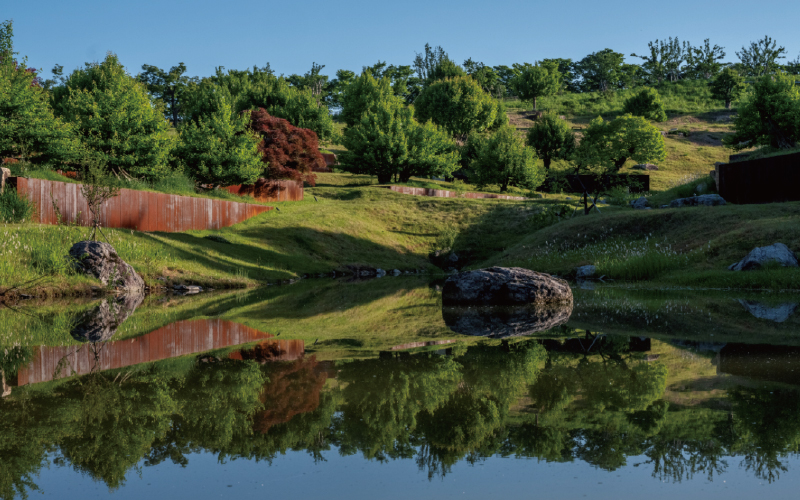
(372, 390)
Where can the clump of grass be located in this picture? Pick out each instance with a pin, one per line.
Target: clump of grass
(15, 208)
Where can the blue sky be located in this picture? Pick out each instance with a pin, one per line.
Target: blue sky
(350, 34)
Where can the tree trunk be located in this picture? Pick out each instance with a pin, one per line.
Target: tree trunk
(618, 164)
(174, 111)
(727, 104)
(384, 178)
(547, 160)
(504, 186)
(534, 103)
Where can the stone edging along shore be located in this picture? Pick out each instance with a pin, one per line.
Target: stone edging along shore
(441, 193)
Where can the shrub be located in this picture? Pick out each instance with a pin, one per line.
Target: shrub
(552, 138)
(14, 208)
(504, 159)
(646, 103)
(289, 151)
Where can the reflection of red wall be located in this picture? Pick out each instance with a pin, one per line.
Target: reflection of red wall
(176, 339)
(272, 350)
(293, 388)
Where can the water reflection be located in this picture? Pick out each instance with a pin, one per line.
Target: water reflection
(502, 322)
(101, 322)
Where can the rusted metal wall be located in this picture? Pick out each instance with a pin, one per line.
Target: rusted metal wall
(330, 161)
(766, 180)
(139, 210)
(177, 339)
(270, 191)
(441, 193)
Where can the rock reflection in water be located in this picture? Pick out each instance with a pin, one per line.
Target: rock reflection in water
(177, 339)
(501, 322)
(778, 314)
(100, 323)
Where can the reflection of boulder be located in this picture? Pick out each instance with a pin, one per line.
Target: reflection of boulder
(101, 323)
(778, 314)
(4, 386)
(499, 322)
(504, 286)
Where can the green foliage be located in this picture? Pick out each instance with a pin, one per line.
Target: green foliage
(769, 115)
(552, 138)
(14, 208)
(458, 104)
(728, 86)
(363, 95)
(704, 61)
(608, 145)
(218, 148)
(665, 59)
(761, 57)
(404, 84)
(28, 128)
(536, 81)
(504, 159)
(601, 71)
(647, 103)
(115, 118)
(387, 141)
(166, 86)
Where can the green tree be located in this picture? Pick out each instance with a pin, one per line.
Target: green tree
(728, 86)
(314, 81)
(362, 95)
(552, 138)
(535, 81)
(504, 159)
(665, 59)
(388, 142)
(600, 71)
(402, 80)
(761, 57)
(646, 103)
(459, 105)
(218, 147)
(704, 61)
(608, 145)
(567, 70)
(769, 115)
(166, 86)
(116, 119)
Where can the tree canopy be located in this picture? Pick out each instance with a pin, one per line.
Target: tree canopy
(646, 103)
(609, 144)
(552, 138)
(769, 115)
(535, 81)
(459, 105)
(504, 159)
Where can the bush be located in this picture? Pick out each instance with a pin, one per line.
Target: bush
(552, 138)
(769, 116)
(15, 208)
(504, 159)
(646, 103)
(289, 152)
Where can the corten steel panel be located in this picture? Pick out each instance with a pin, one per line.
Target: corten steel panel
(200, 220)
(216, 213)
(158, 223)
(766, 180)
(178, 339)
(169, 216)
(130, 209)
(112, 213)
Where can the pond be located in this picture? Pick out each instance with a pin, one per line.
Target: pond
(373, 390)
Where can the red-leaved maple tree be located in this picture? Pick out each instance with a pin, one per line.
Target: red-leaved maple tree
(290, 151)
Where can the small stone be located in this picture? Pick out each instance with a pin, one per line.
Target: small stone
(453, 257)
(584, 272)
(380, 273)
(640, 204)
(701, 188)
(396, 272)
(708, 200)
(187, 289)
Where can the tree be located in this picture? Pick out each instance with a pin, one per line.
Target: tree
(337, 86)
(116, 119)
(165, 86)
(401, 78)
(609, 145)
(600, 71)
(458, 104)
(486, 77)
(426, 64)
(761, 57)
(536, 81)
(665, 59)
(388, 142)
(504, 159)
(362, 95)
(96, 190)
(218, 147)
(552, 138)
(289, 152)
(769, 115)
(567, 70)
(728, 86)
(705, 61)
(793, 67)
(312, 81)
(646, 103)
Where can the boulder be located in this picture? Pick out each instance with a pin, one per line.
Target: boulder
(504, 286)
(778, 314)
(777, 252)
(502, 322)
(380, 273)
(4, 175)
(640, 204)
(708, 200)
(101, 261)
(100, 323)
(396, 272)
(585, 272)
(645, 166)
(187, 289)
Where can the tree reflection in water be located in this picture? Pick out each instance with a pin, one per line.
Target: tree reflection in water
(594, 399)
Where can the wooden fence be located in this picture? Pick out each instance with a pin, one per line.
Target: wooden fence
(177, 339)
(441, 193)
(139, 210)
(766, 180)
(270, 191)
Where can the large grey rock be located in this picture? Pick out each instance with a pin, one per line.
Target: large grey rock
(708, 200)
(500, 321)
(641, 203)
(778, 314)
(777, 252)
(584, 272)
(100, 323)
(101, 261)
(4, 175)
(645, 166)
(504, 286)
